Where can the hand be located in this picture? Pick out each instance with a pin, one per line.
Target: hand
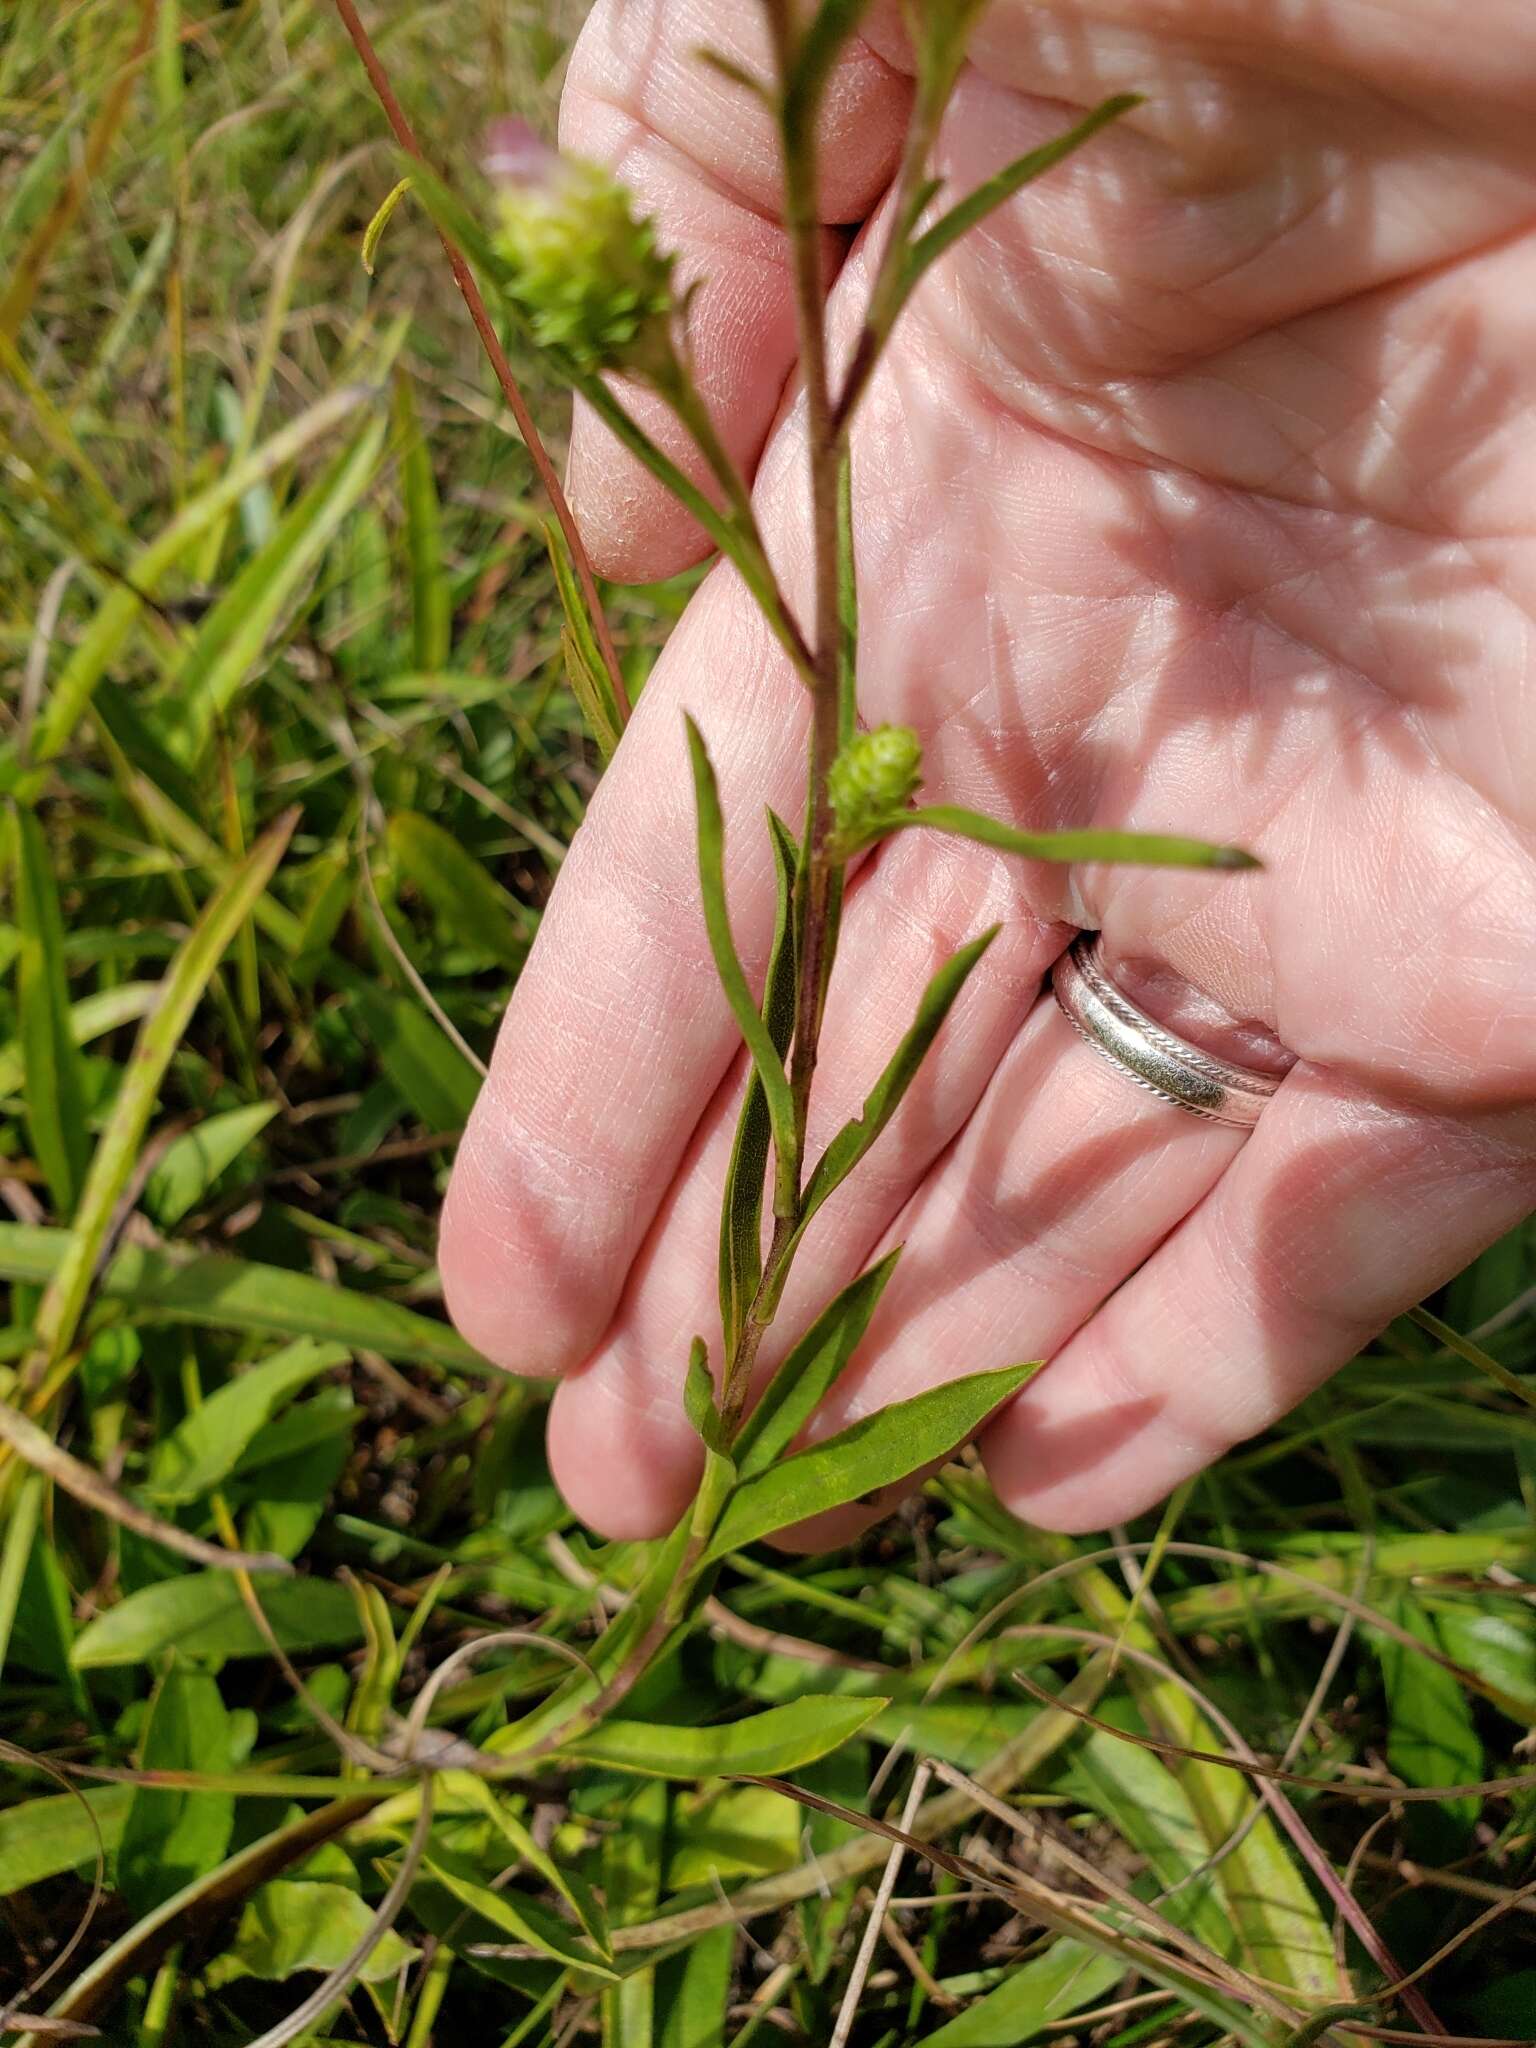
(1195, 493)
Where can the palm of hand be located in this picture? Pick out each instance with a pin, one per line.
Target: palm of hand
(1190, 496)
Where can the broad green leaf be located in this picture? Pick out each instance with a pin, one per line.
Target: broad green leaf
(118, 1148)
(173, 1836)
(237, 1294)
(741, 1210)
(733, 1831)
(102, 641)
(470, 905)
(1138, 849)
(289, 1926)
(1431, 1738)
(1067, 1977)
(209, 1442)
(519, 1917)
(42, 1838)
(427, 1068)
(92, 1017)
(431, 599)
(190, 1164)
(810, 1371)
(781, 1739)
(693, 1991)
(230, 640)
(1500, 1648)
(201, 1615)
(880, 1105)
(52, 1083)
(766, 1058)
(871, 1453)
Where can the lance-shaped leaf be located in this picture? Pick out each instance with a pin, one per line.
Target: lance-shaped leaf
(883, 1100)
(871, 1453)
(521, 1918)
(431, 598)
(793, 1735)
(699, 1399)
(1002, 185)
(1138, 849)
(585, 669)
(811, 1369)
(205, 1447)
(766, 1058)
(741, 1211)
(190, 1165)
(52, 1086)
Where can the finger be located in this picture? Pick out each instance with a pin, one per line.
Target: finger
(1065, 1179)
(701, 154)
(620, 1446)
(617, 1032)
(1340, 1213)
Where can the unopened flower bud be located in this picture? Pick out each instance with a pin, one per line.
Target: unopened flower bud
(871, 779)
(582, 267)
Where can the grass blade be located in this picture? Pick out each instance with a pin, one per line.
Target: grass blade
(52, 1083)
(431, 598)
(117, 1151)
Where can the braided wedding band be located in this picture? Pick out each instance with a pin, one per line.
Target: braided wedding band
(1149, 1055)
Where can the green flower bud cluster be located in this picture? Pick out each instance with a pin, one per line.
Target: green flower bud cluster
(583, 269)
(872, 779)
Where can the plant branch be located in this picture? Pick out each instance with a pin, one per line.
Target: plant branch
(469, 291)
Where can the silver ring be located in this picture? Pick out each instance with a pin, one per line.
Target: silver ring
(1148, 1054)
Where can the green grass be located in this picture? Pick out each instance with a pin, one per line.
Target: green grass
(289, 755)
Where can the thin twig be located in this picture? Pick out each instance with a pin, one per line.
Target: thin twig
(849, 2010)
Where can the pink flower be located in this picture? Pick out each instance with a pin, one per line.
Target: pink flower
(515, 155)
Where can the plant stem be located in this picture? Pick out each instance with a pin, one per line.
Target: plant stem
(463, 277)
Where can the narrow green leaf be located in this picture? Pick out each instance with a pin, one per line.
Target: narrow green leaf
(468, 903)
(519, 1917)
(102, 640)
(566, 1881)
(117, 1150)
(190, 1165)
(173, 1836)
(427, 1068)
(870, 1454)
(632, 1875)
(431, 598)
(1137, 849)
(699, 1399)
(975, 207)
(237, 1294)
(585, 668)
(781, 1739)
(207, 1444)
(91, 1018)
(883, 1100)
(1067, 1977)
(694, 1991)
(201, 1615)
(288, 1927)
(26, 1511)
(766, 1058)
(802, 1382)
(230, 640)
(741, 1210)
(52, 1085)
(375, 228)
